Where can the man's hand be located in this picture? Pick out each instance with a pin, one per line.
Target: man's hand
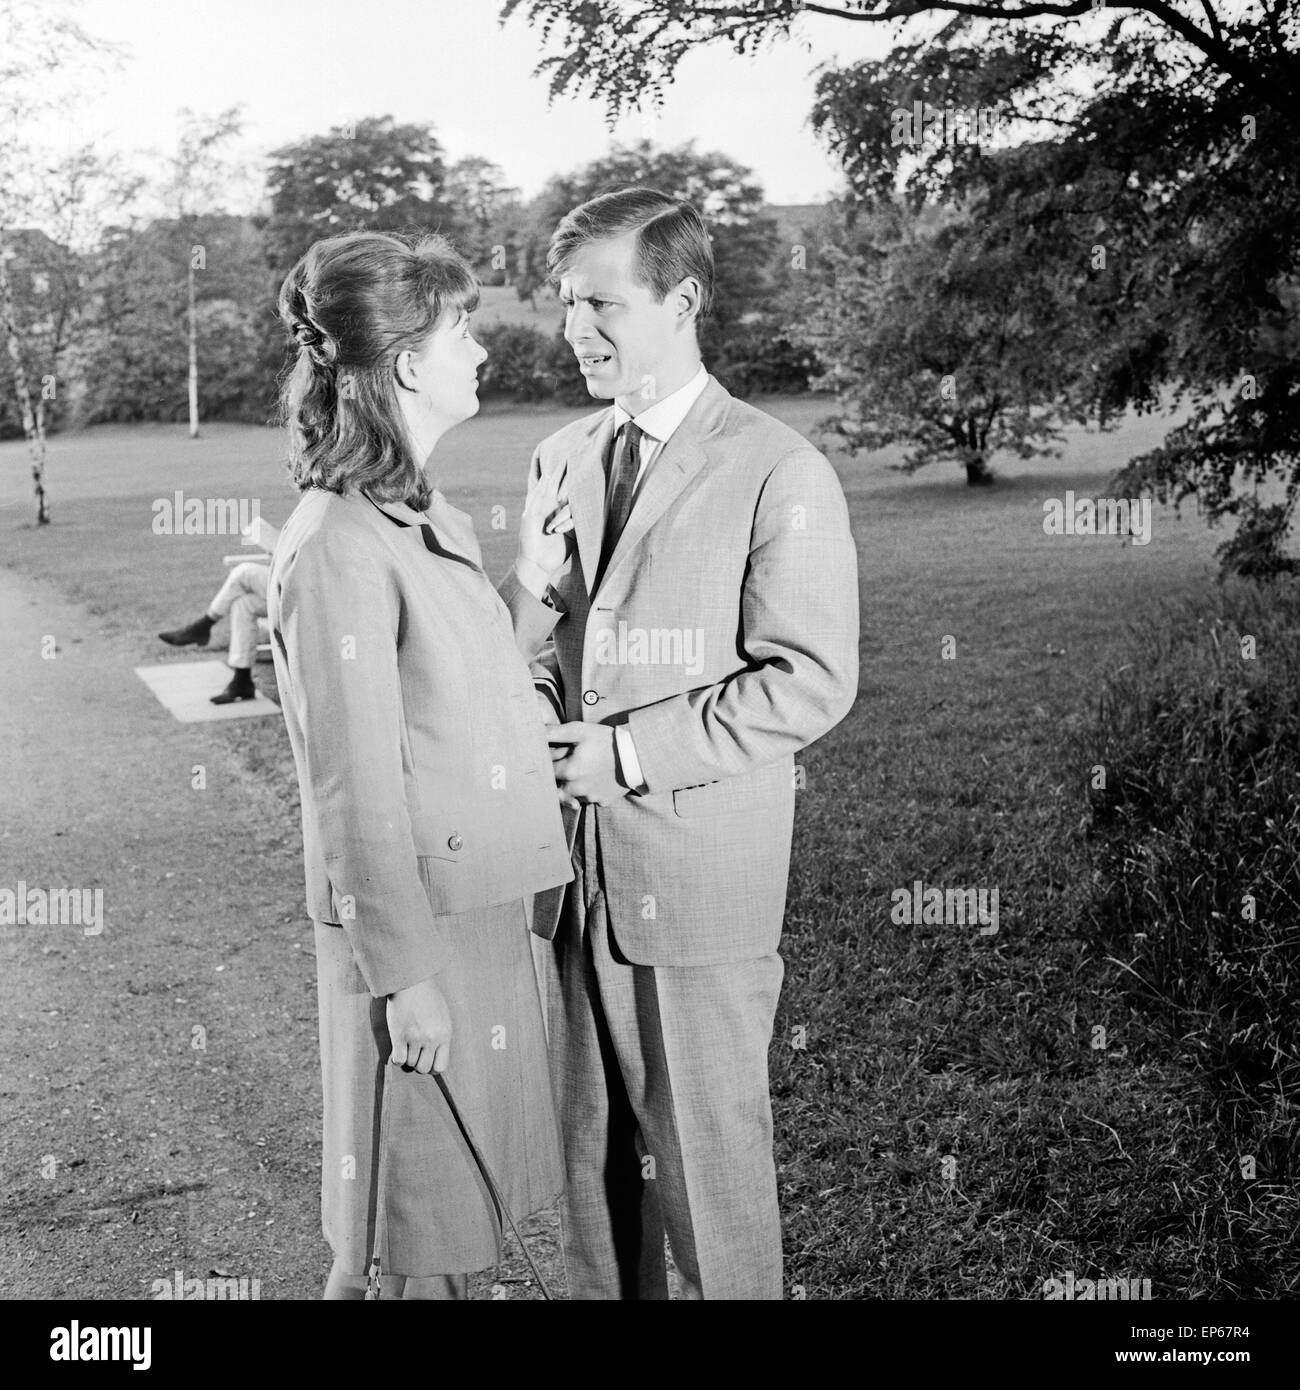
(546, 526)
(586, 765)
(419, 1028)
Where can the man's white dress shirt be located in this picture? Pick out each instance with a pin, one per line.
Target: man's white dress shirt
(657, 422)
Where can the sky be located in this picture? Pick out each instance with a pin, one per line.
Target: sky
(298, 67)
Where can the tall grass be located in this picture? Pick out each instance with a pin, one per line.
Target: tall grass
(1193, 832)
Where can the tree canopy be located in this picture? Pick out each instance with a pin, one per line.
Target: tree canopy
(1155, 143)
(628, 50)
(954, 345)
(375, 173)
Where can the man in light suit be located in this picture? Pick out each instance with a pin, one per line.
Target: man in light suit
(709, 631)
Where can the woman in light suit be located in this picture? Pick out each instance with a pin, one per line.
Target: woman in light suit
(429, 808)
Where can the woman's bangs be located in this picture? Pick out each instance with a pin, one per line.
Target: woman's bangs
(460, 289)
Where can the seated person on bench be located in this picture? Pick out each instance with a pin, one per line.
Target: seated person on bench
(243, 597)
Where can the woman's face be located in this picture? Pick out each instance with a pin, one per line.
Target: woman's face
(445, 375)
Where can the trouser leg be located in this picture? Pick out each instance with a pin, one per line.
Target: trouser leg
(611, 1222)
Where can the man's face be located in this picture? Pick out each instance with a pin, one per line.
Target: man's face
(628, 346)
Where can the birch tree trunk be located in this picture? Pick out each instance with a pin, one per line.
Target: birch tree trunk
(33, 419)
(194, 354)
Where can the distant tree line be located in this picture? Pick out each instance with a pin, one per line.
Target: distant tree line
(107, 329)
(1041, 225)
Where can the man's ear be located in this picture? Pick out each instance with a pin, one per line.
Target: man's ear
(403, 372)
(688, 298)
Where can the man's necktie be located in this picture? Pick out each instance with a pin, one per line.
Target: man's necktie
(620, 485)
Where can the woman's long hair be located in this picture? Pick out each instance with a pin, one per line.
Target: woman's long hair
(353, 303)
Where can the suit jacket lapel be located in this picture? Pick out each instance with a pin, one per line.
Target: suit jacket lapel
(678, 462)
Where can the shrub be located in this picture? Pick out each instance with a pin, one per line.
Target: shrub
(1195, 840)
(525, 365)
(755, 356)
(762, 354)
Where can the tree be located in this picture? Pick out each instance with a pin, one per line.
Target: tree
(525, 236)
(949, 343)
(485, 206)
(1173, 192)
(625, 50)
(731, 202)
(46, 286)
(133, 356)
(1158, 141)
(50, 278)
(742, 234)
(373, 174)
(43, 55)
(196, 180)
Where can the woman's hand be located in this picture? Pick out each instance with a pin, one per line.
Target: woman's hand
(419, 1028)
(547, 524)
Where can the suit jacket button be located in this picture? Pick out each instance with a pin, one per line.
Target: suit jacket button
(589, 697)
(454, 842)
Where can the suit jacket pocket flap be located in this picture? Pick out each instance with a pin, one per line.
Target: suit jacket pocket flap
(452, 840)
(761, 788)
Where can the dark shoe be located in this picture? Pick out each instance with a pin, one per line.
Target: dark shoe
(241, 688)
(196, 635)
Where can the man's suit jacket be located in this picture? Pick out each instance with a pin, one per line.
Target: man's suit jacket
(426, 783)
(724, 633)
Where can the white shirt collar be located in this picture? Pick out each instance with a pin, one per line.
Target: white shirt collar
(661, 420)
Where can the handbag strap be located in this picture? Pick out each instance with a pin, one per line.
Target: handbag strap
(498, 1199)
(374, 1273)
(373, 1286)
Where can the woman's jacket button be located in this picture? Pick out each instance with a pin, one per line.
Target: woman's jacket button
(454, 842)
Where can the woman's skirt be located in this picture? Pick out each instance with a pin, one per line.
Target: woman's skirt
(440, 1215)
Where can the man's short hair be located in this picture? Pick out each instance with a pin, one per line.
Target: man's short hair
(672, 241)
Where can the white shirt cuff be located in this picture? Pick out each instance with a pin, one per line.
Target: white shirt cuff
(627, 758)
(550, 703)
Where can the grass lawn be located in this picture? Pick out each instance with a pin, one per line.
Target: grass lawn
(500, 304)
(949, 1124)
